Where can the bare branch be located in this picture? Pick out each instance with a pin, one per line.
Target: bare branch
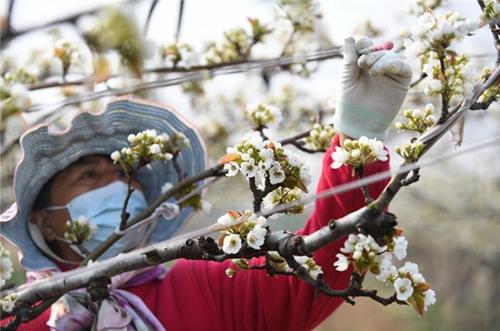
(152, 8)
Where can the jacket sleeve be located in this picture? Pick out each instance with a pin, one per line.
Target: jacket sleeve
(252, 300)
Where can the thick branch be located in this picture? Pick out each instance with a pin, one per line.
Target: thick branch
(200, 248)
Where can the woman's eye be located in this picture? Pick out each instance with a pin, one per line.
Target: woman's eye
(88, 175)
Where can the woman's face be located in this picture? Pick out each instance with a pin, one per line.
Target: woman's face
(87, 174)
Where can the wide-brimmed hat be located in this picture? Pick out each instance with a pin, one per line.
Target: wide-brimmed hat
(46, 151)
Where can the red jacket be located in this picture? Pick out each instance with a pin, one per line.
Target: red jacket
(197, 295)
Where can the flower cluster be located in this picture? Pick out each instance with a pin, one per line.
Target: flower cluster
(79, 230)
(436, 31)
(8, 302)
(493, 92)
(419, 120)
(452, 77)
(67, 53)
(420, 6)
(268, 163)
(409, 285)
(5, 266)
(302, 14)
(252, 230)
(410, 151)
(277, 262)
(491, 10)
(263, 115)
(310, 265)
(13, 100)
(364, 254)
(147, 146)
(320, 137)
(237, 44)
(283, 196)
(357, 153)
(177, 53)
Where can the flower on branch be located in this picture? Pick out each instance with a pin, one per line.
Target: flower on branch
(357, 153)
(320, 137)
(420, 6)
(262, 115)
(231, 244)
(67, 53)
(13, 100)
(404, 288)
(8, 302)
(253, 231)
(283, 196)
(410, 151)
(437, 31)
(6, 267)
(79, 230)
(256, 236)
(147, 146)
(419, 120)
(178, 54)
(302, 14)
(237, 43)
(493, 92)
(491, 10)
(268, 163)
(310, 265)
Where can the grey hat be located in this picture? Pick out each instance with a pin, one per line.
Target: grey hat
(45, 152)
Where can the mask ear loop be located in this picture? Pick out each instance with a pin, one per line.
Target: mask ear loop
(168, 210)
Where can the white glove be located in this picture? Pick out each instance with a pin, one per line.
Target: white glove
(372, 89)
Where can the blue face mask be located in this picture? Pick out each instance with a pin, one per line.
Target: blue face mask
(102, 207)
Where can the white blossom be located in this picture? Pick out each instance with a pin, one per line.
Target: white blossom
(276, 174)
(231, 244)
(340, 157)
(249, 169)
(342, 262)
(410, 267)
(232, 169)
(429, 298)
(226, 220)
(7, 305)
(256, 237)
(155, 149)
(115, 156)
(404, 288)
(400, 245)
(387, 269)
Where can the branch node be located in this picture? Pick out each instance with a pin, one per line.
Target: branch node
(98, 288)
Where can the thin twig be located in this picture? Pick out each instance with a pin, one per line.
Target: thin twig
(179, 20)
(421, 78)
(148, 18)
(71, 19)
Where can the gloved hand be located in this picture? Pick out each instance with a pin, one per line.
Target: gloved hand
(372, 89)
